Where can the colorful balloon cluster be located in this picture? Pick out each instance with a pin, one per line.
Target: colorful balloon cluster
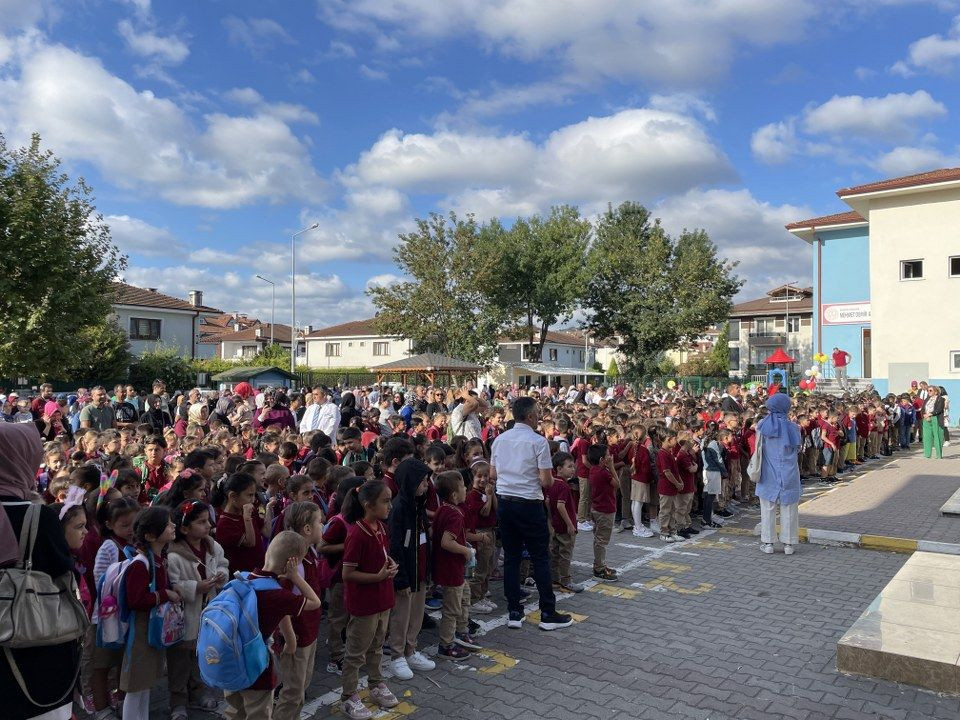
(813, 372)
(820, 358)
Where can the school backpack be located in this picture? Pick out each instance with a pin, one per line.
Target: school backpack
(113, 624)
(231, 651)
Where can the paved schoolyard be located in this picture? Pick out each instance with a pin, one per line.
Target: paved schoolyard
(900, 498)
(708, 629)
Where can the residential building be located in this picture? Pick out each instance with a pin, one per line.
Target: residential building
(353, 344)
(568, 356)
(212, 327)
(886, 279)
(781, 318)
(152, 319)
(699, 347)
(247, 342)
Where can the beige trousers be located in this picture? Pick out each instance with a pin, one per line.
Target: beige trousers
(480, 581)
(561, 552)
(295, 673)
(365, 636)
(406, 620)
(337, 618)
(668, 514)
(455, 613)
(583, 508)
(249, 704)
(602, 529)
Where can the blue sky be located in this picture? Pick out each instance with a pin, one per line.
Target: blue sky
(212, 130)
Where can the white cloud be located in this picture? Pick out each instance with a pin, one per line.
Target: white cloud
(17, 14)
(776, 142)
(169, 50)
(864, 73)
(139, 140)
(934, 53)
(255, 34)
(892, 116)
(744, 229)
(906, 160)
(288, 112)
(340, 49)
(665, 42)
(372, 73)
(305, 76)
(138, 237)
(684, 104)
(383, 280)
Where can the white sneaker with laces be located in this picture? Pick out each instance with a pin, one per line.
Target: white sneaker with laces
(767, 548)
(667, 538)
(676, 538)
(642, 531)
(481, 607)
(788, 550)
(354, 708)
(420, 662)
(585, 527)
(655, 525)
(400, 669)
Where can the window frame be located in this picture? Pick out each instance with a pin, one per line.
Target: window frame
(791, 320)
(903, 265)
(953, 365)
(950, 261)
(553, 354)
(731, 333)
(381, 345)
(331, 349)
(135, 321)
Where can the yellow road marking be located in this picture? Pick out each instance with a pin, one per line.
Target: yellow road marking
(667, 582)
(501, 662)
(402, 710)
(534, 617)
(734, 531)
(705, 543)
(675, 567)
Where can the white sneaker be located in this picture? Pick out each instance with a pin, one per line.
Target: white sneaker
(619, 528)
(481, 607)
(676, 538)
(788, 550)
(400, 669)
(667, 538)
(767, 548)
(354, 708)
(420, 662)
(585, 526)
(655, 525)
(642, 531)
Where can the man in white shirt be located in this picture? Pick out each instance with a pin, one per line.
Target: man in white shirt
(322, 415)
(521, 468)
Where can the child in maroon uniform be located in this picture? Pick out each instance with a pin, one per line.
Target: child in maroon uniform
(563, 518)
(668, 486)
(481, 511)
(603, 499)
(687, 467)
(368, 572)
(282, 561)
(239, 526)
(450, 557)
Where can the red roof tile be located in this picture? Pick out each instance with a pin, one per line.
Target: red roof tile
(281, 334)
(354, 328)
(925, 178)
(836, 219)
(144, 297)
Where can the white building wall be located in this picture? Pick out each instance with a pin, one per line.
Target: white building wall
(176, 328)
(355, 351)
(914, 321)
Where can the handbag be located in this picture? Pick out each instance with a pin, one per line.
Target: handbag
(165, 626)
(756, 461)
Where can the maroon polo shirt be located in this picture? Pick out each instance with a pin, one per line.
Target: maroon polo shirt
(272, 607)
(230, 530)
(448, 567)
(366, 549)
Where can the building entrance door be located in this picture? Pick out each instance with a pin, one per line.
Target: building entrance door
(866, 353)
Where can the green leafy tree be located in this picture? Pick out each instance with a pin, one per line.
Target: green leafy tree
(720, 355)
(650, 290)
(613, 371)
(164, 363)
(442, 308)
(102, 355)
(536, 271)
(56, 264)
(272, 356)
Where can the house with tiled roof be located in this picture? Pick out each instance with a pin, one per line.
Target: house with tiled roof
(244, 340)
(781, 318)
(354, 344)
(153, 319)
(886, 275)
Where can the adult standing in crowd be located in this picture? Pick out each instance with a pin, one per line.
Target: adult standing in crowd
(125, 411)
(521, 468)
(39, 402)
(933, 412)
(465, 419)
(730, 400)
(348, 409)
(275, 411)
(98, 414)
(841, 359)
(779, 483)
(49, 673)
(322, 415)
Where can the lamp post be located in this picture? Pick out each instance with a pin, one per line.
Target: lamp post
(293, 296)
(787, 312)
(273, 305)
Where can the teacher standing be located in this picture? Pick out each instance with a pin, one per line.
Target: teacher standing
(521, 467)
(779, 483)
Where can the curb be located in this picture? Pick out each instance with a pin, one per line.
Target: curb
(875, 542)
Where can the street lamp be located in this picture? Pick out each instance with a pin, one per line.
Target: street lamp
(273, 305)
(787, 328)
(293, 295)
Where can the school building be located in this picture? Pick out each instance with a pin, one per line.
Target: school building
(886, 280)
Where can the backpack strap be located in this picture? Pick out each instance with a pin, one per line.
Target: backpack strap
(28, 535)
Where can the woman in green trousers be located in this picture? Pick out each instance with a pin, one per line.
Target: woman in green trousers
(933, 423)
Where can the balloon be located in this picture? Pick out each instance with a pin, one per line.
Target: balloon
(671, 384)
(814, 373)
(808, 373)
(812, 384)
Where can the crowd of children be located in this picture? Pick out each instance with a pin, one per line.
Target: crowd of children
(369, 530)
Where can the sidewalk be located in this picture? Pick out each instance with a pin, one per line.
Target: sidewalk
(899, 499)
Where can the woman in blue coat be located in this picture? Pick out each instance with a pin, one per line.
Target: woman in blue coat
(779, 482)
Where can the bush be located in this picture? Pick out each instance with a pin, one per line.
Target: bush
(163, 363)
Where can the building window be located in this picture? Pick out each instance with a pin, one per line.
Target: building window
(525, 352)
(381, 348)
(955, 361)
(581, 356)
(362, 343)
(734, 358)
(766, 326)
(248, 351)
(793, 324)
(552, 353)
(144, 329)
(333, 350)
(733, 331)
(955, 266)
(911, 269)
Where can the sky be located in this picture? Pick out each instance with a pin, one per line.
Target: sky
(212, 131)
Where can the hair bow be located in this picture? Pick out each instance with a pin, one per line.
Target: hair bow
(106, 483)
(74, 497)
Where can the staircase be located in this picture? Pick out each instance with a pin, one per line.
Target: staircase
(829, 386)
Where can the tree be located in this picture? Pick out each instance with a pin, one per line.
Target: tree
(272, 356)
(442, 307)
(164, 363)
(56, 264)
(651, 291)
(536, 271)
(613, 371)
(102, 355)
(720, 355)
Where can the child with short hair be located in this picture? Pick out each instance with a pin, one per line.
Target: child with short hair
(668, 486)
(451, 554)
(481, 514)
(296, 661)
(281, 561)
(563, 519)
(603, 498)
(368, 572)
(687, 467)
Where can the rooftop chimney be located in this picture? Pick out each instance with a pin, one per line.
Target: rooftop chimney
(196, 298)
(152, 289)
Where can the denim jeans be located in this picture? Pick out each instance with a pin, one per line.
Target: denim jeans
(706, 508)
(524, 524)
(904, 434)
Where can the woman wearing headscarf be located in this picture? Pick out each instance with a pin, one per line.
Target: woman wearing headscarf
(49, 673)
(779, 483)
(155, 416)
(348, 409)
(50, 423)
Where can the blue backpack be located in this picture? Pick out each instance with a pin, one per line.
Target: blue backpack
(231, 651)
